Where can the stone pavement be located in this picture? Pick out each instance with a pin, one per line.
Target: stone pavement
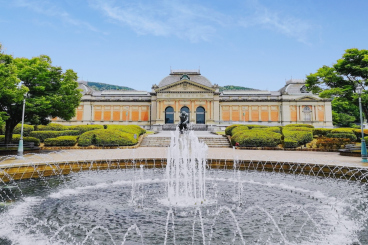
(328, 158)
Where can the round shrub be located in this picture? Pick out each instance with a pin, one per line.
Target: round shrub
(230, 128)
(238, 129)
(27, 129)
(106, 137)
(297, 125)
(321, 131)
(61, 141)
(42, 135)
(256, 138)
(52, 127)
(84, 128)
(274, 129)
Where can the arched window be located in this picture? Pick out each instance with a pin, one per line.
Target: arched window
(200, 115)
(186, 109)
(169, 115)
(307, 113)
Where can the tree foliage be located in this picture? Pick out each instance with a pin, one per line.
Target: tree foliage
(49, 91)
(340, 82)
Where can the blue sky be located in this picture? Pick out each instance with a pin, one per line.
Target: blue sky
(257, 44)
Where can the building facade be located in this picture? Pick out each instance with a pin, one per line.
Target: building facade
(188, 90)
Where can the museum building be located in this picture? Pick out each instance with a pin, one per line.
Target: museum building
(188, 90)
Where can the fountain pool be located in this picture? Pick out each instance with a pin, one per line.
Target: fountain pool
(231, 206)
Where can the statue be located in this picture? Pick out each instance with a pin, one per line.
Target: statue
(184, 120)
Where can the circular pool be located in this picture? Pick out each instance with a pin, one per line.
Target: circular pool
(127, 206)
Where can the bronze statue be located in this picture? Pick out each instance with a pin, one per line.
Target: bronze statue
(184, 120)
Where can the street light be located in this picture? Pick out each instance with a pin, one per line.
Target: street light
(20, 146)
(359, 90)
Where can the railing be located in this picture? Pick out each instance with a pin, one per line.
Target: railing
(15, 146)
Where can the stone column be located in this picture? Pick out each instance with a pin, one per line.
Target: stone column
(139, 115)
(130, 114)
(231, 113)
(250, 113)
(269, 113)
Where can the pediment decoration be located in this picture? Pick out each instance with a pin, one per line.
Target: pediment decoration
(308, 97)
(185, 86)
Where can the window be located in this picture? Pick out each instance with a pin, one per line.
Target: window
(200, 115)
(169, 115)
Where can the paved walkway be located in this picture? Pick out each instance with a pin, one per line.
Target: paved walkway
(198, 133)
(328, 158)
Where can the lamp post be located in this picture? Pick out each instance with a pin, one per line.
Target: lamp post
(359, 90)
(20, 146)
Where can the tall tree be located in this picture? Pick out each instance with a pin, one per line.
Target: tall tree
(49, 91)
(340, 82)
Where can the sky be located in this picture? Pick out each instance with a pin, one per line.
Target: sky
(253, 43)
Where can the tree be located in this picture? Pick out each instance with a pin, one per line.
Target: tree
(340, 82)
(49, 91)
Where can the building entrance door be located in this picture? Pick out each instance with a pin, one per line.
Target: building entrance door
(200, 115)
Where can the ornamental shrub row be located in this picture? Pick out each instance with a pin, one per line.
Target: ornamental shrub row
(239, 129)
(299, 134)
(298, 125)
(61, 141)
(107, 137)
(256, 138)
(321, 131)
(84, 128)
(231, 127)
(52, 127)
(16, 138)
(27, 129)
(131, 129)
(42, 135)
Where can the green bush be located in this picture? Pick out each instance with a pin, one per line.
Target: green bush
(290, 143)
(321, 131)
(16, 138)
(27, 129)
(299, 125)
(238, 129)
(61, 141)
(256, 138)
(107, 137)
(230, 128)
(131, 129)
(366, 138)
(251, 126)
(42, 135)
(274, 129)
(342, 130)
(342, 135)
(300, 135)
(52, 127)
(84, 128)
(358, 133)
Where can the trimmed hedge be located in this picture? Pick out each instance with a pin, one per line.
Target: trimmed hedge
(27, 129)
(85, 128)
(52, 127)
(131, 129)
(342, 133)
(107, 137)
(274, 129)
(321, 131)
(239, 129)
(251, 126)
(61, 141)
(298, 134)
(297, 125)
(358, 133)
(332, 143)
(230, 128)
(290, 143)
(42, 135)
(16, 138)
(256, 138)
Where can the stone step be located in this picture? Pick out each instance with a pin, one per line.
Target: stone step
(216, 142)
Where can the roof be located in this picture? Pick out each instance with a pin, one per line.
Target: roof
(193, 77)
(294, 86)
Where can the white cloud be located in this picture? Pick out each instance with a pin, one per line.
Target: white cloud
(165, 18)
(282, 23)
(50, 9)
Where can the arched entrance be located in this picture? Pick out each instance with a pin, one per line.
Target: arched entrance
(200, 115)
(169, 115)
(186, 109)
(307, 113)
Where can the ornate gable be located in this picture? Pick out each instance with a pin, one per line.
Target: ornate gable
(184, 86)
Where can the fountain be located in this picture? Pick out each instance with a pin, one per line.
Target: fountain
(185, 199)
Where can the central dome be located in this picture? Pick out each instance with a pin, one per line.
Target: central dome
(176, 75)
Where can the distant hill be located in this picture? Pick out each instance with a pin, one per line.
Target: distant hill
(104, 86)
(232, 87)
